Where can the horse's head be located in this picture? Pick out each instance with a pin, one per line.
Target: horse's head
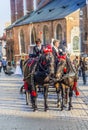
(46, 63)
(61, 69)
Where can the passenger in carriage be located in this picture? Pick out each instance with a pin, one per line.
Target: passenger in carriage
(55, 49)
(58, 51)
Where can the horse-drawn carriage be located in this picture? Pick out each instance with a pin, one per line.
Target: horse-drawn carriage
(42, 71)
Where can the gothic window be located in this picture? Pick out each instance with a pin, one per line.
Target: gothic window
(46, 35)
(22, 43)
(59, 32)
(33, 36)
(75, 43)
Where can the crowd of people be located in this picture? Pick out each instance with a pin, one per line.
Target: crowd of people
(6, 66)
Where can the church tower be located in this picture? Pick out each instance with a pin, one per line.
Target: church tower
(29, 6)
(17, 10)
(12, 6)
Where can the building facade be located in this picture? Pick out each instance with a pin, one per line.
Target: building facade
(84, 29)
(21, 37)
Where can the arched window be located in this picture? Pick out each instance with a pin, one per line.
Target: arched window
(33, 36)
(22, 43)
(46, 35)
(75, 43)
(59, 32)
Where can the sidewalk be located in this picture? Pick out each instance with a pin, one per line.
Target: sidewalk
(84, 90)
(14, 108)
(80, 103)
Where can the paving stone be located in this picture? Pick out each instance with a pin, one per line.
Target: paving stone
(16, 115)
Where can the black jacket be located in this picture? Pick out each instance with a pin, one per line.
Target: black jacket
(55, 54)
(37, 51)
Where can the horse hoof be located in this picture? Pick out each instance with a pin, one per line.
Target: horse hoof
(26, 103)
(61, 109)
(58, 105)
(45, 109)
(64, 106)
(71, 106)
(35, 109)
(69, 109)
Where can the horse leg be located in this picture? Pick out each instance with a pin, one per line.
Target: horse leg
(58, 96)
(34, 103)
(66, 96)
(62, 95)
(45, 98)
(70, 98)
(27, 98)
(34, 99)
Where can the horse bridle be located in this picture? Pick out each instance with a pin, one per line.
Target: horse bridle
(46, 64)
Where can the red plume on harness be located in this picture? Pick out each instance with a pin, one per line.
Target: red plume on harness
(75, 89)
(62, 57)
(33, 93)
(25, 85)
(47, 49)
(65, 69)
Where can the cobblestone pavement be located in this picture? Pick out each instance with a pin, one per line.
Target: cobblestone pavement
(16, 115)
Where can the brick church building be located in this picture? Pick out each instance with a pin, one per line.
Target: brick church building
(44, 19)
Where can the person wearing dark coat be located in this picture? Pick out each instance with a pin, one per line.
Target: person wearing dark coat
(83, 68)
(0, 65)
(9, 69)
(55, 49)
(37, 50)
(58, 49)
(57, 52)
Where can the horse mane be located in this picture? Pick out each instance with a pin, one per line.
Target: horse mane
(28, 68)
